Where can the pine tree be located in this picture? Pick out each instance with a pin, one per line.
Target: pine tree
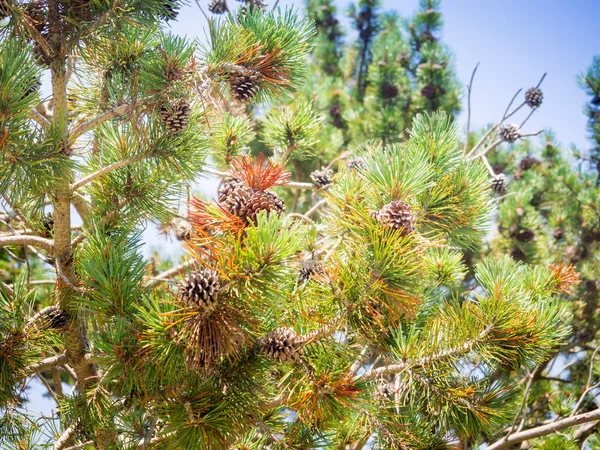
(340, 327)
(550, 216)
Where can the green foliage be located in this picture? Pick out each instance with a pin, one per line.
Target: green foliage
(356, 319)
(292, 130)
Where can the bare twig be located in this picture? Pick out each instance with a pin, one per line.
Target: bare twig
(40, 119)
(94, 122)
(165, 276)
(318, 205)
(469, 88)
(64, 439)
(80, 446)
(23, 240)
(544, 430)
(114, 166)
(400, 367)
(587, 387)
(51, 393)
(364, 355)
(46, 364)
(523, 404)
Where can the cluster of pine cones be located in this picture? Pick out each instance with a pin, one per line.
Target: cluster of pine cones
(241, 200)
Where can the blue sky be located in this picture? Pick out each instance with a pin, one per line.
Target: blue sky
(515, 41)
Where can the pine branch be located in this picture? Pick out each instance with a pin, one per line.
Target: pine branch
(39, 118)
(450, 353)
(81, 205)
(469, 88)
(114, 166)
(64, 439)
(165, 276)
(46, 364)
(94, 122)
(544, 430)
(25, 240)
(80, 446)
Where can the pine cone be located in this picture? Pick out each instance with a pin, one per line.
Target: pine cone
(427, 36)
(170, 10)
(534, 97)
(55, 317)
(509, 132)
(48, 224)
(200, 289)
(244, 85)
(282, 345)
(234, 196)
(356, 164)
(175, 117)
(51, 317)
(499, 183)
(591, 285)
(39, 55)
(36, 10)
(322, 178)
(218, 6)
(389, 91)
(428, 91)
(184, 231)
(403, 59)
(525, 235)
(262, 201)
(309, 268)
(382, 392)
(335, 111)
(398, 216)
(4, 9)
(528, 162)
(558, 233)
(518, 255)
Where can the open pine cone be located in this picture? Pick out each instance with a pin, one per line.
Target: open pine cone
(398, 216)
(200, 289)
(282, 345)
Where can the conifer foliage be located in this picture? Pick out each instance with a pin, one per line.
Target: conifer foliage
(344, 326)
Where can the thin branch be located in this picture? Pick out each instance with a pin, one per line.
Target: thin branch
(487, 165)
(51, 393)
(544, 430)
(8, 289)
(21, 240)
(469, 87)
(323, 332)
(64, 278)
(364, 355)
(46, 364)
(81, 205)
(64, 439)
(165, 276)
(80, 446)
(114, 166)
(523, 403)
(318, 205)
(202, 11)
(40, 119)
(587, 387)
(400, 367)
(94, 122)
